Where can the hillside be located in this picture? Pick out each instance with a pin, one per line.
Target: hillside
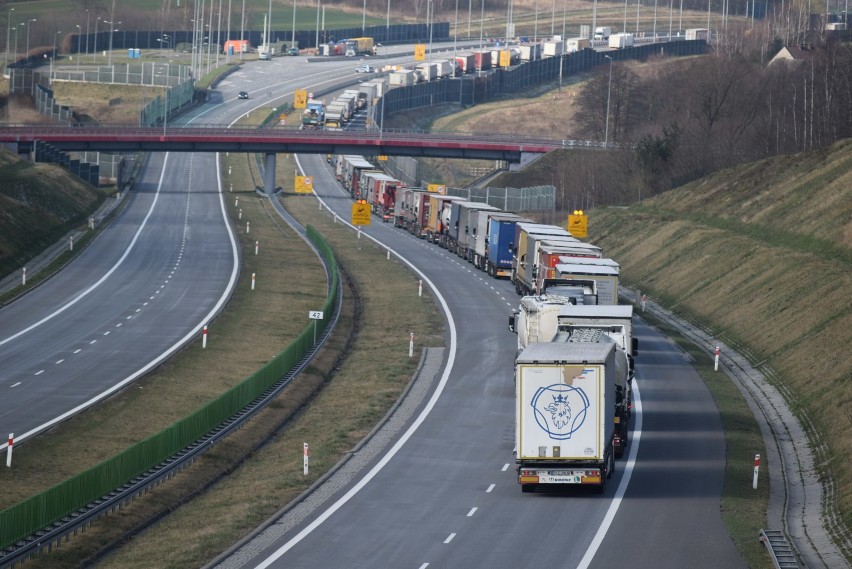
(763, 255)
(39, 204)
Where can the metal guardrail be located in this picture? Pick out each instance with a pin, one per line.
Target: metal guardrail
(779, 549)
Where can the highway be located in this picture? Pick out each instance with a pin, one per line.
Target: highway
(448, 496)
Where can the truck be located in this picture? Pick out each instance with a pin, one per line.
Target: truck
(482, 60)
(499, 251)
(620, 41)
(421, 214)
(543, 318)
(569, 407)
(553, 48)
(573, 45)
(466, 63)
(528, 274)
(360, 46)
(359, 99)
(380, 190)
(438, 218)
(530, 51)
(463, 227)
(402, 78)
(552, 252)
(698, 34)
(599, 282)
(425, 72)
(404, 207)
(524, 249)
(444, 68)
(334, 116)
(603, 32)
(314, 114)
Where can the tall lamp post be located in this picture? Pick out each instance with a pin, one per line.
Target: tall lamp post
(53, 55)
(111, 31)
(27, 53)
(8, 33)
(78, 44)
(608, 93)
(95, 47)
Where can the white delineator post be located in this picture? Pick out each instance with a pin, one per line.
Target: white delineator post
(716, 359)
(420, 288)
(9, 450)
(236, 201)
(204, 337)
(307, 458)
(644, 300)
(756, 469)
(240, 215)
(256, 246)
(24, 277)
(252, 280)
(70, 243)
(411, 345)
(248, 227)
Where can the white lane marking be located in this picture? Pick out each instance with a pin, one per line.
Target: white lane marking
(424, 566)
(15, 384)
(107, 333)
(490, 488)
(505, 467)
(138, 310)
(450, 538)
(93, 342)
(60, 361)
(128, 318)
(170, 350)
(39, 372)
(100, 281)
(472, 511)
(439, 389)
(118, 325)
(78, 350)
(622, 488)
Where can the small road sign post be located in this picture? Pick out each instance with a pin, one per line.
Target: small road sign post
(315, 315)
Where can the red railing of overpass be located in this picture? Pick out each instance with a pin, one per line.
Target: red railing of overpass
(211, 137)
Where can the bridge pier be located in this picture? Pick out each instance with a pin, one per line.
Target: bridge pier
(269, 173)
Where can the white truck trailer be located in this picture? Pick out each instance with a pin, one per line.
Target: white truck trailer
(568, 399)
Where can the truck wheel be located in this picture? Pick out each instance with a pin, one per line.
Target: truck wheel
(611, 468)
(526, 488)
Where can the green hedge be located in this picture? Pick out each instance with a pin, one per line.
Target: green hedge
(33, 514)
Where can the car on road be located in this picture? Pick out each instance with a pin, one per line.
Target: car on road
(365, 69)
(242, 95)
(293, 51)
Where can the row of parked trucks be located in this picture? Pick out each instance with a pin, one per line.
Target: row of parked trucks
(340, 111)
(574, 367)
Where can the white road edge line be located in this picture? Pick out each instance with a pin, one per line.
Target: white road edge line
(408, 433)
(622, 487)
(168, 352)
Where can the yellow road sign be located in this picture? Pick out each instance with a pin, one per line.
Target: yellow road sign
(436, 188)
(360, 213)
(578, 225)
(300, 99)
(382, 157)
(304, 184)
(505, 58)
(419, 52)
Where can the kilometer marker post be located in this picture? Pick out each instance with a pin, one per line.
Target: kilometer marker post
(307, 455)
(717, 353)
(204, 337)
(756, 469)
(9, 450)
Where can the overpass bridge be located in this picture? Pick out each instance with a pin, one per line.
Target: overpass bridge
(271, 141)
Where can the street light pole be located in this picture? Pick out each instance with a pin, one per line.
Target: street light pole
(27, 53)
(78, 44)
(111, 31)
(53, 56)
(95, 50)
(608, 93)
(8, 33)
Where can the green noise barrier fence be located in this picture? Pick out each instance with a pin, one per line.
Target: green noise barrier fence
(23, 519)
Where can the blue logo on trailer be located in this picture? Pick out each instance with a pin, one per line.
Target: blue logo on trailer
(560, 410)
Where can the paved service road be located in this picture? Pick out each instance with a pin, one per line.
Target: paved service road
(449, 497)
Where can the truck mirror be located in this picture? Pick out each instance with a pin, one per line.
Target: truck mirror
(512, 318)
(634, 347)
